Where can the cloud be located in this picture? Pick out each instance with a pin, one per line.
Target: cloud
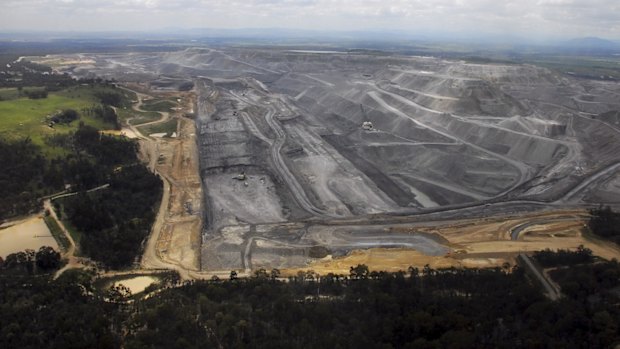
(525, 17)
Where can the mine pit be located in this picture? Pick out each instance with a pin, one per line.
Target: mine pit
(449, 139)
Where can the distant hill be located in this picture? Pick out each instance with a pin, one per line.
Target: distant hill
(591, 44)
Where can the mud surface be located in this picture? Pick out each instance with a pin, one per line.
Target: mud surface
(31, 233)
(137, 284)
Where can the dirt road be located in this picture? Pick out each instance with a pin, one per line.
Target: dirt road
(276, 147)
(175, 236)
(486, 242)
(73, 261)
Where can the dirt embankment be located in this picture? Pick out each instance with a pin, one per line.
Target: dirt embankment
(490, 242)
(175, 238)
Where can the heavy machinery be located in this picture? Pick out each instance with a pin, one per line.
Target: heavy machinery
(241, 176)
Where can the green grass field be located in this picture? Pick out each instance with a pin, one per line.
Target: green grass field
(8, 94)
(23, 117)
(143, 118)
(90, 93)
(13, 93)
(137, 118)
(167, 127)
(159, 105)
(57, 233)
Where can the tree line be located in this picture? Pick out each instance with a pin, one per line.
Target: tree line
(605, 223)
(28, 175)
(24, 168)
(23, 73)
(417, 308)
(31, 262)
(113, 222)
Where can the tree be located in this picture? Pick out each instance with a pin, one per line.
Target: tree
(23, 260)
(427, 270)
(359, 272)
(110, 98)
(605, 223)
(506, 267)
(275, 273)
(171, 277)
(260, 274)
(66, 116)
(119, 293)
(47, 258)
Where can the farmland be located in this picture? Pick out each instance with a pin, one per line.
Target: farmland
(22, 117)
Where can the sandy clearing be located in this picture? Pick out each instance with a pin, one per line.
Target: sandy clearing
(137, 284)
(183, 244)
(476, 243)
(31, 233)
(125, 131)
(393, 260)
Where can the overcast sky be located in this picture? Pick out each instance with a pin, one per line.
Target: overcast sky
(530, 18)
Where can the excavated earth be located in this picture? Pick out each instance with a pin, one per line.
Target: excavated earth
(284, 158)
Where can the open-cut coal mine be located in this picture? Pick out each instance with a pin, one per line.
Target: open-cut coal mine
(309, 155)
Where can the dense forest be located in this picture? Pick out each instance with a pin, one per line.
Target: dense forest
(605, 223)
(548, 258)
(20, 178)
(419, 308)
(87, 158)
(112, 222)
(90, 161)
(449, 308)
(38, 312)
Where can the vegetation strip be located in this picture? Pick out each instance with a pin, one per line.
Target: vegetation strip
(57, 232)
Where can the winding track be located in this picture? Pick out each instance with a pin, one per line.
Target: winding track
(553, 290)
(588, 181)
(276, 146)
(74, 262)
(522, 168)
(150, 258)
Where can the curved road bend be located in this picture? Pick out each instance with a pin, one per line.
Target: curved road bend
(297, 190)
(150, 258)
(552, 290)
(586, 182)
(522, 168)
